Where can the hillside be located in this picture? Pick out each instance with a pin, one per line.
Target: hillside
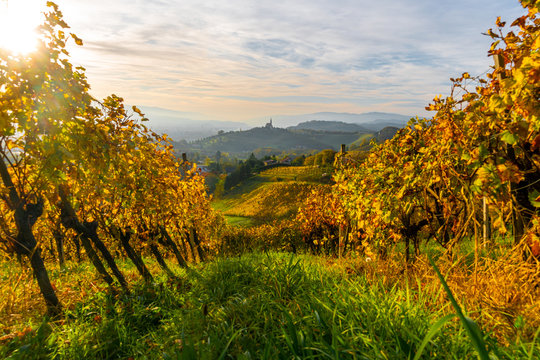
(332, 126)
(242, 143)
(271, 201)
(191, 127)
(372, 120)
(364, 140)
(271, 195)
(386, 134)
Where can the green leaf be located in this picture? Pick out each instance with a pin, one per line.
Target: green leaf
(224, 352)
(508, 137)
(533, 198)
(519, 323)
(62, 175)
(482, 152)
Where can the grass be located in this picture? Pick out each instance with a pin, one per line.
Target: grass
(273, 194)
(495, 248)
(473, 331)
(257, 306)
(270, 201)
(313, 174)
(243, 221)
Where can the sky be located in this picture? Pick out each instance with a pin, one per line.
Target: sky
(245, 60)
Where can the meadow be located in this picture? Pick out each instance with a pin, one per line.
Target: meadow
(256, 306)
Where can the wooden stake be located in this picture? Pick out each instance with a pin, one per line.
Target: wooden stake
(499, 64)
(486, 233)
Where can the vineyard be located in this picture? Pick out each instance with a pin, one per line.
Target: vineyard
(273, 194)
(112, 248)
(467, 178)
(81, 174)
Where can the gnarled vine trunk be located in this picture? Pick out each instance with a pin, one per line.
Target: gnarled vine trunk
(26, 214)
(161, 261)
(125, 237)
(166, 240)
(87, 232)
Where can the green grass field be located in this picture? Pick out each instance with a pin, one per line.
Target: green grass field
(258, 306)
(273, 194)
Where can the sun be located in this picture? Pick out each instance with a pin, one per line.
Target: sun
(18, 22)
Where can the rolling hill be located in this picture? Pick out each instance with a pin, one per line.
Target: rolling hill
(326, 125)
(243, 143)
(303, 138)
(271, 195)
(193, 126)
(373, 121)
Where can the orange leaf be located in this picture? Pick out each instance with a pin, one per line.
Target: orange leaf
(535, 248)
(536, 142)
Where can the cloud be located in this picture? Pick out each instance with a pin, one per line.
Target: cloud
(237, 60)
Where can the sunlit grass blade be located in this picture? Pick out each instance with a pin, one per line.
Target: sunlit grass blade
(474, 332)
(291, 337)
(533, 344)
(435, 328)
(224, 352)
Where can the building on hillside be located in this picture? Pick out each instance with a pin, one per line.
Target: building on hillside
(269, 125)
(287, 160)
(203, 170)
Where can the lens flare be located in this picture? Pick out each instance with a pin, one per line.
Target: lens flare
(18, 23)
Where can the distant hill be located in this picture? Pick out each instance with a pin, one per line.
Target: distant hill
(186, 126)
(382, 124)
(374, 121)
(363, 142)
(386, 134)
(306, 137)
(194, 126)
(243, 143)
(326, 125)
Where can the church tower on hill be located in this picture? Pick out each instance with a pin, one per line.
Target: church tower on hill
(269, 124)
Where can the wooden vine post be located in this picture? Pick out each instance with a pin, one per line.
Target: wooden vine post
(486, 233)
(343, 233)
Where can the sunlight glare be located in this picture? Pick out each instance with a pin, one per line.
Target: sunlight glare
(18, 22)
